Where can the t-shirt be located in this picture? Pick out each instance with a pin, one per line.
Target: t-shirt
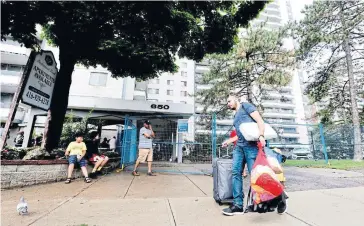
(232, 135)
(112, 143)
(76, 148)
(143, 141)
(243, 116)
(92, 148)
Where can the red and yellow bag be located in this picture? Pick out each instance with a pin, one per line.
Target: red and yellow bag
(265, 185)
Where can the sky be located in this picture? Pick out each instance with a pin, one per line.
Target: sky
(297, 6)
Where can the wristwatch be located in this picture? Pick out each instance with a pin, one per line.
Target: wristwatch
(261, 136)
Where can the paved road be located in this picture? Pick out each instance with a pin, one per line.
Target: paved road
(298, 179)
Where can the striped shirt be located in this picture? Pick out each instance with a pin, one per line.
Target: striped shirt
(143, 141)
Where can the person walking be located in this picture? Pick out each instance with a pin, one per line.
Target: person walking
(244, 152)
(232, 135)
(146, 136)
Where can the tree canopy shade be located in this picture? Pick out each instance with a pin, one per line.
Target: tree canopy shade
(258, 60)
(331, 47)
(137, 39)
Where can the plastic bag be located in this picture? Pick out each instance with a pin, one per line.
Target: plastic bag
(273, 160)
(264, 182)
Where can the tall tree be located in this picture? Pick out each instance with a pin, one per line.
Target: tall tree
(260, 59)
(331, 46)
(137, 39)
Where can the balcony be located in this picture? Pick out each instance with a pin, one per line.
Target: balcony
(19, 116)
(139, 95)
(278, 114)
(9, 81)
(271, 103)
(224, 121)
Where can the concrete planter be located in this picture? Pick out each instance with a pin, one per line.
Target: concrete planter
(19, 173)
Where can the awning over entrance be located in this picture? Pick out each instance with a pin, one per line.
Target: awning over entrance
(131, 107)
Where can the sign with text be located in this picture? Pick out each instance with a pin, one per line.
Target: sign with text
(42, 76)
(182, 125)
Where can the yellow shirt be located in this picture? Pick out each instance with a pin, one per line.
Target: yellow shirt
(76, 148)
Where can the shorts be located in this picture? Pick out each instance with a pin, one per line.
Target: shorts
(145, 154)
(72, 159)
(96, 158)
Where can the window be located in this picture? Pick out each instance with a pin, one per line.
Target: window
(183, 102)
(183, 65)
(184, 83)
(183, 73)
(6, 100)
(169, 101)
(153, 91)
(98, 79)
(4, 66)
(184, 93)
(170, 92)
(12, 67)
(154, 81)
(170, 82)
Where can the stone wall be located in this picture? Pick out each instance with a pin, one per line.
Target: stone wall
(19, 173)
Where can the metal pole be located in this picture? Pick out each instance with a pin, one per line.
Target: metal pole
(16, 99)
(213, 135)
(323, 142)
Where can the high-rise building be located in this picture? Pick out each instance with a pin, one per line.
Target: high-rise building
(283, 108)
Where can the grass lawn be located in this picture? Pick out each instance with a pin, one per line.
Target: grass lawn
(334, 164)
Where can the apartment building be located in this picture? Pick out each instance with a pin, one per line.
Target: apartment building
(110, 99)
(13, 60)
(283, 108)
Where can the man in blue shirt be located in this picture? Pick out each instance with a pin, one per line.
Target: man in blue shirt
(244, 152)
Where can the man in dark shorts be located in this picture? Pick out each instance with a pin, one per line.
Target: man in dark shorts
(94, 156)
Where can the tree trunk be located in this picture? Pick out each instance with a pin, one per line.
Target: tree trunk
(358, 154)
(59, 104)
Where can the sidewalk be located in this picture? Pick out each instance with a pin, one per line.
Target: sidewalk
(168, 199)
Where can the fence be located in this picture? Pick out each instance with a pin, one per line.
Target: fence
(199, 141)
(309, 141)
(195, 144)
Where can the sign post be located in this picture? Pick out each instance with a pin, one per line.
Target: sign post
(35, 87)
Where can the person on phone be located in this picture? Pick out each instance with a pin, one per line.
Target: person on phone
(245, 152)
(76, 152)
(146, 136)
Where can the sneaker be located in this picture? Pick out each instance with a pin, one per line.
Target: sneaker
(233, 210)
(151, 174)
(282, 206)
(135, 173)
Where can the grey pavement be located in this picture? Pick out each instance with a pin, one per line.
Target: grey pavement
(182, 199)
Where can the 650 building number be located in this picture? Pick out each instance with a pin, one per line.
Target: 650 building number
(159, 106)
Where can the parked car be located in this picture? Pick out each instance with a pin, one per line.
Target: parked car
(301, 153)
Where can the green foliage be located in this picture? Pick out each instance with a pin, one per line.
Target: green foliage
(258, 59)
(321, 34)
(137, 39)
(331, 39)
(74, 125)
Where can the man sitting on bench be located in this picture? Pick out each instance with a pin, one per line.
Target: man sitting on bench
(93, 154)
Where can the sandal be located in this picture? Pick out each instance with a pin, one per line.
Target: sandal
(68, 181)
(87, 180)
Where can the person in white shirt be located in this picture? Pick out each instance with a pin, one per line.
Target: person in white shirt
(112, 143)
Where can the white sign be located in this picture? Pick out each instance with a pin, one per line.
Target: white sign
(40, 83)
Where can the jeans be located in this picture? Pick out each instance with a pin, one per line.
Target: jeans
(247, 155)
